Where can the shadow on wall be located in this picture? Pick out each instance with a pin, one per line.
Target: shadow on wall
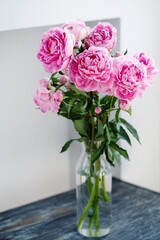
(76, 148)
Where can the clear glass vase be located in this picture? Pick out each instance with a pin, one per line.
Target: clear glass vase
(93, 190)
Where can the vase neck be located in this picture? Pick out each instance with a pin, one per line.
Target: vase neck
(90, 146)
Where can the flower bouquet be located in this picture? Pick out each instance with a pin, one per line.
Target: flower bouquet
(86, 85)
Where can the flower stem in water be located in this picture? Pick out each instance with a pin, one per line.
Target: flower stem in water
(89, 205)
(106, 198)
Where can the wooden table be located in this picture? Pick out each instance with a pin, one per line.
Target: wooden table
(135, 216)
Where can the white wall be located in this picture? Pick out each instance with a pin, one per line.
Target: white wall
(30, 165)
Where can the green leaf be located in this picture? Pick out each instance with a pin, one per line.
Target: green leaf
(76, 47)
(113, 100)
(96, 154)
(116, 156)
(112, 127)
(67, 144)
(117, 115)
(70, 105)
(108, 156)
(81, 126)
(72, 116)
(79, 107)
(123, 135)
(72, 108)
(108, 102)
(113, 130)
(63, 111)
(83, 108)
(72, 94)
(78, 91)
(129, 111)
(53, 75)
(126, 52)
(96, 98)
(101, 138)
(114, 138)
(100, 129)
(105, 99)
(108, 134)
(61, 73)
(130, 128)
(81, 139)
(54, 81)
(122, 151)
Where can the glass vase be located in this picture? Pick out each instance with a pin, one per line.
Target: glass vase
(93, 191)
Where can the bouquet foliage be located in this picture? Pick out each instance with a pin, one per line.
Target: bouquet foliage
(88, 83)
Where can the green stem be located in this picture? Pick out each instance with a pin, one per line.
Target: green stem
(105, 196)
(95, 214)
(97, 205)
(109, 111)
(91, 219)
(112, 109)
(98, 167)
(90, 162)
(92, 123)
(92, 142)
(89, 205)
(89, 185)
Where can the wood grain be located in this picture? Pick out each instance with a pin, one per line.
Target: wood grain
(135, 216)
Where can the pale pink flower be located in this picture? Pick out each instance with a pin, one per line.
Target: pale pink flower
(79, 29)
(118, 54)
(149, 64)
(48, 99)
(124, 104)
(91, 70)
(58, 96)
(129, 77)
(98, 110)
(102, 35)
(44, 82)
(56, 49)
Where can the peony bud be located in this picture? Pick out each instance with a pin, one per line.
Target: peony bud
(124, 104)
(97, 110)
(118, 54)
(63, 79)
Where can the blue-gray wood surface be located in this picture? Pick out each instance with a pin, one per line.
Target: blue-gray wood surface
(135, 216)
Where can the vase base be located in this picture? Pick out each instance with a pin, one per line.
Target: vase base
(94, 232)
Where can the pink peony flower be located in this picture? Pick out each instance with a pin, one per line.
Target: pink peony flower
(58, 96)
(118, 54)
(102, 35)
(149, 64)
(91, 70)
(64, 79)
(48, 99)
(79, 29)
(129, 77)
(56, 49)
(124, 104)
(97, 110)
